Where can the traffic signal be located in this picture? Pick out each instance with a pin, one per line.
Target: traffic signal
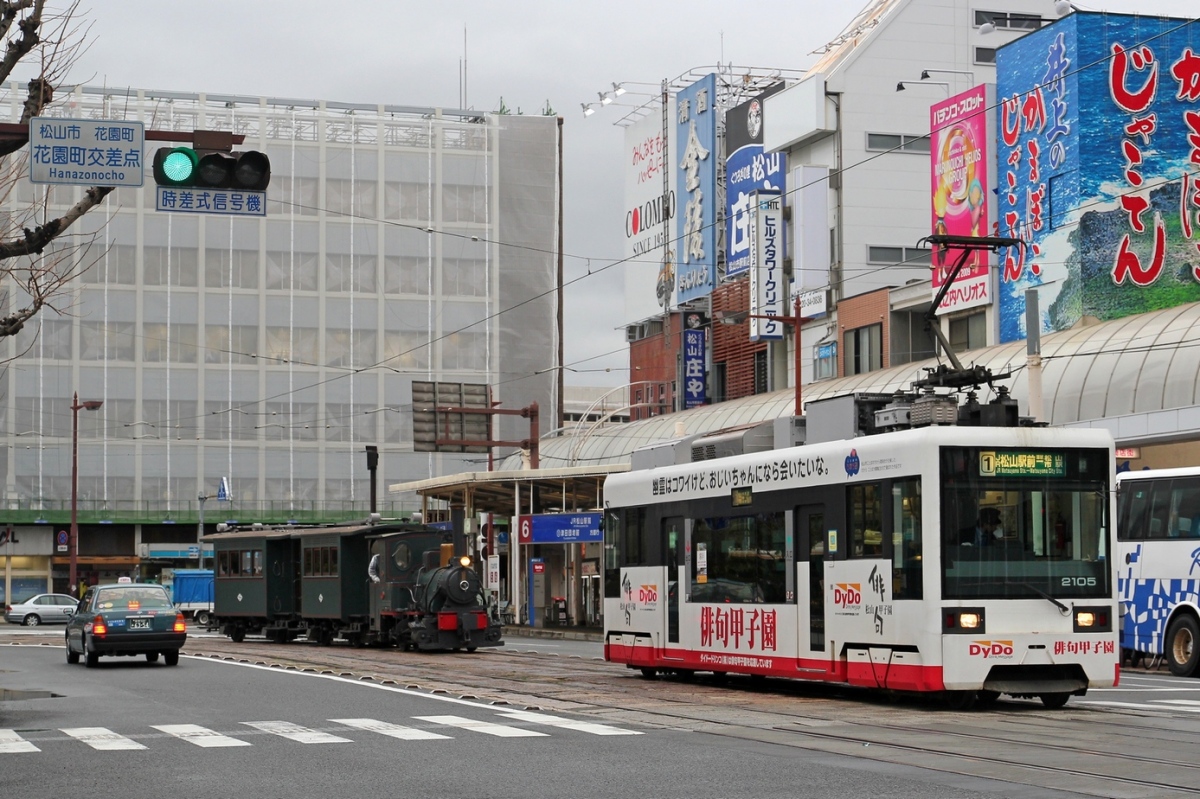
(184, 166)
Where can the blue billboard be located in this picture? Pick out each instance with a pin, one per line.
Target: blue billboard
(696, 189)
(695, 378)
(1098, 137)
(747, 170)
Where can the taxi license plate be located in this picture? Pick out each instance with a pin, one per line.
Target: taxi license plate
(139, 624)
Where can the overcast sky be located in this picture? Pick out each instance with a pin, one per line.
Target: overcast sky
(525, 52)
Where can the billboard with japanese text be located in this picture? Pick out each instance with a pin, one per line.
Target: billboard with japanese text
(696, 189)
(961, 193)
(649, 213)
(695, 375)
(1098, 137)
(747, 169)
(768, 286)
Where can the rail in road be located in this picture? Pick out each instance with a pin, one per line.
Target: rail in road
(1092, 747)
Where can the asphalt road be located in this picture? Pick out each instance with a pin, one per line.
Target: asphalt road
(220, 728)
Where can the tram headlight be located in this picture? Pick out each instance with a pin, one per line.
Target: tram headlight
(970, 621)
(964, 620)
(1093, 620)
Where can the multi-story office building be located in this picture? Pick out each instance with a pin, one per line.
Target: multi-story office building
(399, 244)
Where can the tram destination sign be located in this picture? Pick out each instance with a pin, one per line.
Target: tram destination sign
(86, 152)
(1022, 464)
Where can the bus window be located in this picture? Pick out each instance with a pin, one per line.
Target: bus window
(1134, 499)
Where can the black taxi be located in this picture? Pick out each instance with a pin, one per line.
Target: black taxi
(126, 618)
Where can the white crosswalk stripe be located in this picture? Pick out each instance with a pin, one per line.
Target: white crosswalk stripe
(11, 743)
(200, 736)
(102, 738)
(294, 732)
(499, 730)
(393, 730)
(566, 724)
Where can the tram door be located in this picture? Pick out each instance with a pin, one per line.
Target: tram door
(673, 556)
(810, 588)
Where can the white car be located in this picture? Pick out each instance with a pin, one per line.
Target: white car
(42, 609)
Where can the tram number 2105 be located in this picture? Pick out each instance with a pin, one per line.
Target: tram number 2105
(1079, 582)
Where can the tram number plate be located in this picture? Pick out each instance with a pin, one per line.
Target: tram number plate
(139, 624)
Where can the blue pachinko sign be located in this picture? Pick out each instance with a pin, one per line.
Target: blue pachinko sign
(565, 528)
(696, 189)
(694, 373)
(1098, 137)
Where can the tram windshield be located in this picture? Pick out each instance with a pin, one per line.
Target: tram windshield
(1023, 524)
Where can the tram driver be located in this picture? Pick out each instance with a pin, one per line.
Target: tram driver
(986, 532)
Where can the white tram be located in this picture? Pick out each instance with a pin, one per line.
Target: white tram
(861, 560)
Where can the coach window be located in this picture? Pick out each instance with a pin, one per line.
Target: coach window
(333, 561)
(1174, 509)
(222, 564)
(401, 556)
(906, 539)
(235, 562)
(308, 562)
(865, 514)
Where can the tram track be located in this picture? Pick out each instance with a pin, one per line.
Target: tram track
(831, 719)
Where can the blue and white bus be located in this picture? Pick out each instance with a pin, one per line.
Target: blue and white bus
(1158, 532)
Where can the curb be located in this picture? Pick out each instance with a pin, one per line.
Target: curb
(517, 631)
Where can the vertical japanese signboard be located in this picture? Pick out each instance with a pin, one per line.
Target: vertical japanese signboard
(694, 373)
(1098, 131)
(768, 292)
(696, 189)
(747, 169)
(649, 215)
(961, 191)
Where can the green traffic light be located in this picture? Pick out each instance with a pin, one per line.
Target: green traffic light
(178, 166)
(175, 166)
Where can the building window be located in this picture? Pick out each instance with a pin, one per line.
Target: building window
(825, 361)
(864, 349)
(897, 142)
(174, 343)
(760, 372)
(909, 256)
(985, 55)
(1006, 21)
(968, 332)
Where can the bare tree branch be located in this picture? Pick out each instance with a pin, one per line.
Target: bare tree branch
(30, 27)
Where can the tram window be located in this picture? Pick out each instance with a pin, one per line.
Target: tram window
(743, 560)
(866, 520)
(222, 564)
(323, 568)
(612, 554)
(256, 562)
(235, 562)
(308, 562)
(906, 539)
(333, 562)
(635, 537)
(247, 564)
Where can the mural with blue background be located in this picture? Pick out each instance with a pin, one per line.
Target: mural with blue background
(1098, 128)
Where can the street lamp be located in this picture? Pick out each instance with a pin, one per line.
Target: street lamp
(90, 405)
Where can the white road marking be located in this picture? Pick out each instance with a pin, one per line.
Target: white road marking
(102, 738)
(393, 730)
(1142, 706)
(499, 730)
(200, 736)
(294, 732)
(11, 743)
(566, 724)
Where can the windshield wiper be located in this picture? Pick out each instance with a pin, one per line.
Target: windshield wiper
(1065, 610)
